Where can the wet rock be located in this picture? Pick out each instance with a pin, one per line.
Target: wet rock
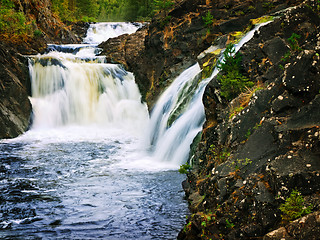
(15, 108)
(275, 49)
(306, 117)
(307, 227)
(297, 75)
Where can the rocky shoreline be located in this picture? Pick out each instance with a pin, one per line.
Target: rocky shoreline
(264, 144)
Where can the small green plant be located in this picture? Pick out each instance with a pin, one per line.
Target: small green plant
(251, 8)
(233, 83)
(229, 224)
(248, 134)
(293, 41)
(231, 79)
(294, 207)
(220, 155)
(164, 21)
(268, 5)
(257, 126)
(163, 5)
(240, 163)
(187, 227)
(37, 33)
(208, 19)
(286, 56)
(184, 168)
(235, 111)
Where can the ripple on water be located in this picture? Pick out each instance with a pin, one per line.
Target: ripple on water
(82, 190)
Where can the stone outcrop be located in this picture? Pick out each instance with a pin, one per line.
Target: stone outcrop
(15, 107)
(307, 227)
(125, 49)
(256, 149)
(265, 143)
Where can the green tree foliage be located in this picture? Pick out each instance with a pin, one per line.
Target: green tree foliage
(231, 79)
(109, 10)
(13, 23)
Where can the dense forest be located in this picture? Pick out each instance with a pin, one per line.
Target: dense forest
(18, 25)
(108, 10)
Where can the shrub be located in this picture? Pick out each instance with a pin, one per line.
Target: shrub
(184, 168)
(37, 33)
(233, 83)
(208, 19)
(294, 207)
(293, 41)
(231, 79)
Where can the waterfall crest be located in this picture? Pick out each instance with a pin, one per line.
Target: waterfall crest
(99, 32)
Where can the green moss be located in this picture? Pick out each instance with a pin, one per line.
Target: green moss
(260, 20)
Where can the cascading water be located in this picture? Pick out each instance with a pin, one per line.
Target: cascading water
(69, 90)
(82, 171)
(179, 113)
(96, 32)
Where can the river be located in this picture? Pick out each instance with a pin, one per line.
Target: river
(94, 164)
(85, 169)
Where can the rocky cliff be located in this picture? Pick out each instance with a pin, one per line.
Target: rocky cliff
(176, 37)
(15, 108)
(259, 151)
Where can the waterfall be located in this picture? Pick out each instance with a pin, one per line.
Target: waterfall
(182, 100)
(99, 32)
(179, 114)
(73, 86)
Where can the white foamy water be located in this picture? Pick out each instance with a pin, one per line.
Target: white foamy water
(100, 32)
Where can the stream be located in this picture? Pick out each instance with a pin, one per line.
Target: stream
(94, 164)
(85, 169)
